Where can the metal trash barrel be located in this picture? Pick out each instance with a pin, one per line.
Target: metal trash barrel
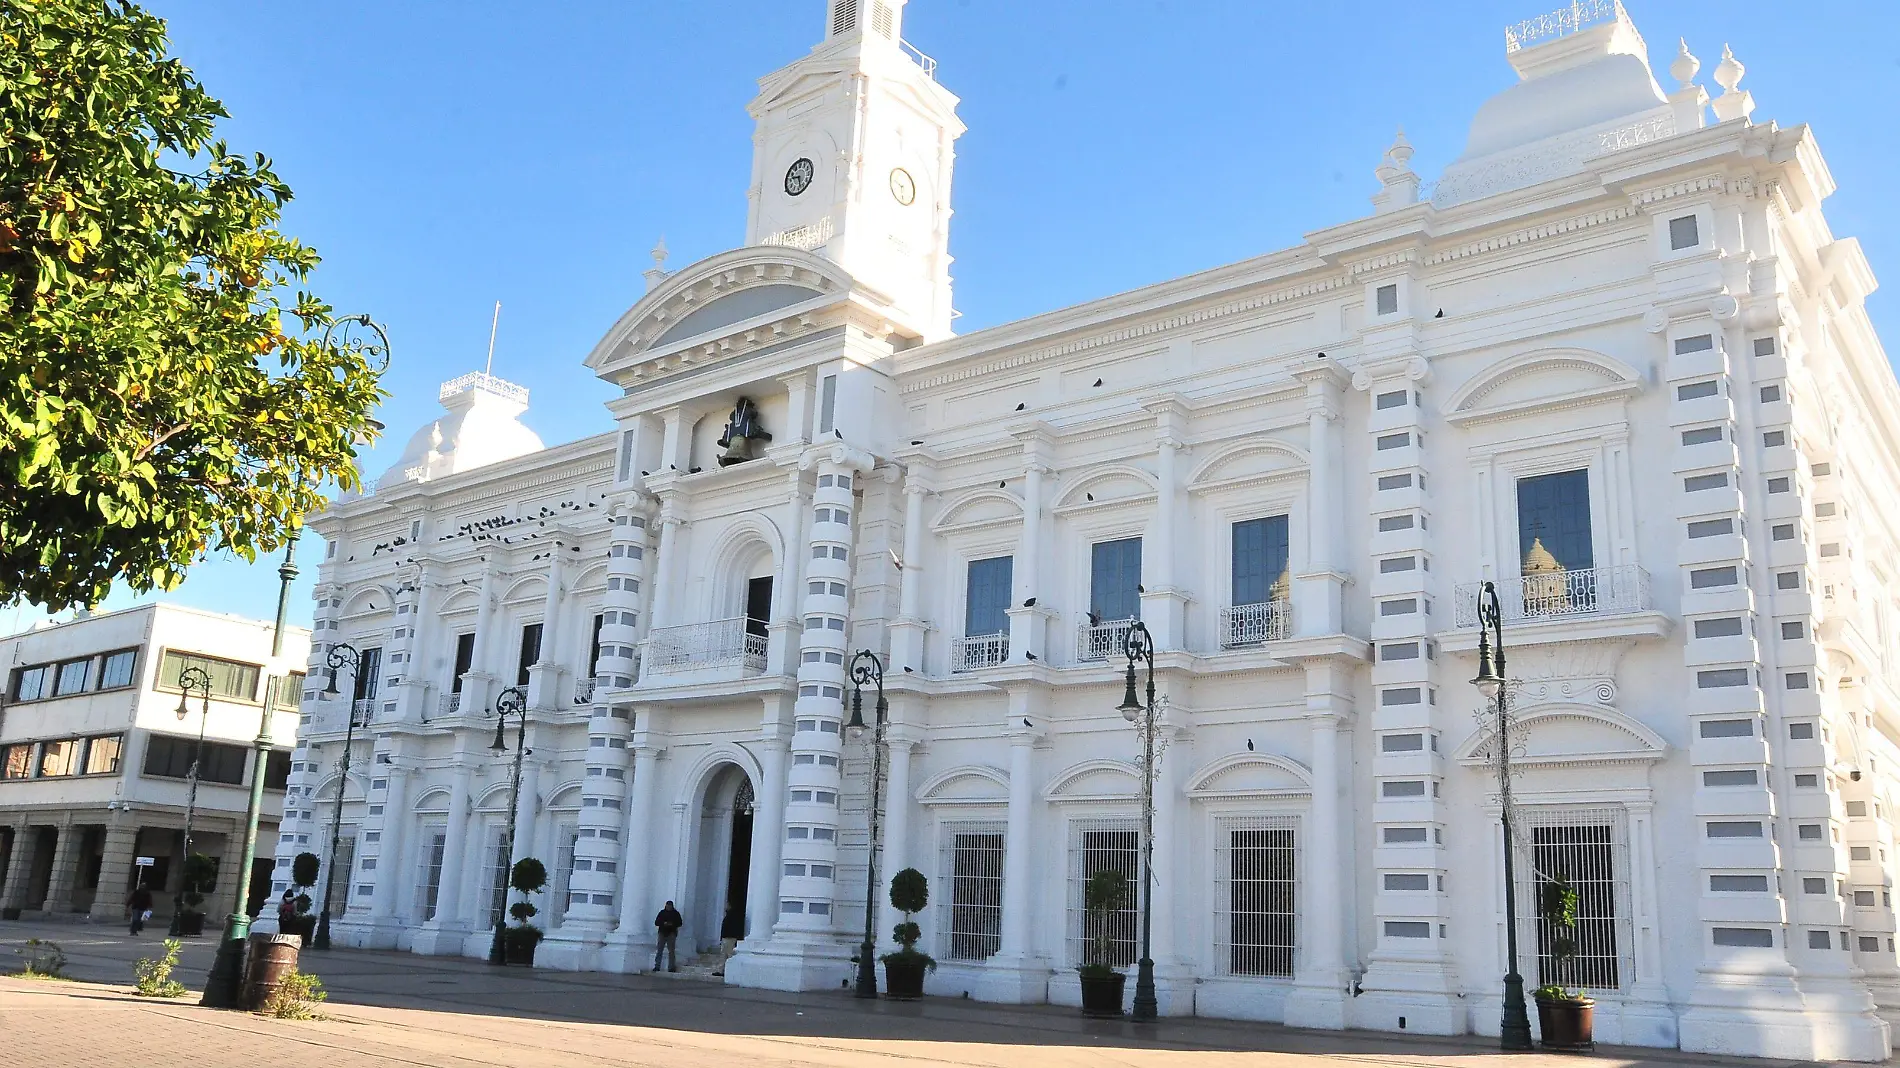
(272, 957)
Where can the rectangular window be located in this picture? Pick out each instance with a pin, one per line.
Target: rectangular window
(1719, 678)
(1407, 881)
(1401, 788)
(1782, 532)
(976, 894)
(369, 672)
(1774, 439)
(464, 659)
(1394, 399)
(827, 403)
(530, 652)
(1683, 233)
(1258, 860)
(1698, 483)
(1402, 695)
(102, 754)
(1407, 929)
(1801, 732)
(1260, 548)
(429, 878)
(986, 595)
(1696, 343)
(169, 757)
(1708, 577)
(1094, 848)
(1814, 886)
(1403, 606)
(16, 761)
(1702, 435)
(1392, 565)
(1764, 346)
(1788, 580)
(1390, 523)
(1779, 485)
(1696, 390)
(1742, 777)
(1553, 511)
(1402, 743)
(1404, 836)
(1711, 528)
(1389, 482)
(72, 677)
(56, 758)
(1385, 299)
(593, 647)
(1734, 829)
(1770, 394)
(1393, 441)
(277, 770)
(1727, 728)
(31, 683)
(230, 680)
(1586, 856)
(1114, 578)
(1745, 937)
(1725, 627)
(1738, 884)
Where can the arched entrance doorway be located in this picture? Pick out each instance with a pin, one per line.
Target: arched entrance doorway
(724, 860)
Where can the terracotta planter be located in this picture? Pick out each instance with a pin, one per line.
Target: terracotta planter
(1567, 1023)
(1102, 995)
(904, 979)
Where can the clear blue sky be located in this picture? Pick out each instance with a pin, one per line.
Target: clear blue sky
(446, 155)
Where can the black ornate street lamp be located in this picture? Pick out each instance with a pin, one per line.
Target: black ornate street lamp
(341, 654)
(191, 680)
(867, 668)
(512, 701)
(1514, 1030)
(1140, 647)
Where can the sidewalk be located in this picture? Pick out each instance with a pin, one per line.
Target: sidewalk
(389, 1010)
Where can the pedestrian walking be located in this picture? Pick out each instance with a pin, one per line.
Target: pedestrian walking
(139, 905)
(669, 923)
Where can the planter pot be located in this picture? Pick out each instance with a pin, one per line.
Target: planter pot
(11, 912)
(191, 924)
(904, 979)
(1102, 995)
(519, 952)
(1567, 1024)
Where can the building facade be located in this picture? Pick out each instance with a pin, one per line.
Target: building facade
(97, 741)
(1612, 360)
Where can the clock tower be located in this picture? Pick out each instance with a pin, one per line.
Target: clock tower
(851, 159)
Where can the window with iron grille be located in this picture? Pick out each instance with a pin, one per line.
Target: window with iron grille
(1098, 846)
(429, 878)
(497, 875)
(973, 869)
(1256, 873)
(1588, 848)
(566, 835)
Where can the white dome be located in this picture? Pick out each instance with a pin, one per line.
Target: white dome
(481, 426)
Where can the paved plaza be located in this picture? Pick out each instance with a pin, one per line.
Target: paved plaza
(388, 1010)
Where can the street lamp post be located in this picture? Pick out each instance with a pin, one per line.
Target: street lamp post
(221, 986)
(867, 668)
(191, 680)
(1515, 1027)
(341, 654)
(511, 701)
(1140, 647)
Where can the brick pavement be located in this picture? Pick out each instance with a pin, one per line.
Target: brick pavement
(391, 1010)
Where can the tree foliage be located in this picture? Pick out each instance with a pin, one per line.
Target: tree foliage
(167, 387)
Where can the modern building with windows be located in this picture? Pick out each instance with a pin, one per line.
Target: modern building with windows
(1612, 360)
(97, 742)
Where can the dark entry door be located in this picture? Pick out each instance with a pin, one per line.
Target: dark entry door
(758, 604)
(738, 865)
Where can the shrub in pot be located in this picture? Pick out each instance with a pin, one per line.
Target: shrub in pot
(200, 877)
(1104, 895)
(304, 872)
(904, 970)
(529, 876)
(1566, 1018)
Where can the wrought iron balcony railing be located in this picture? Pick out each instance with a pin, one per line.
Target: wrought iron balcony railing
(1102, 641)
(718, 643)
(973, 652)
(1246, 625)
(1598, 591)
(450, 704)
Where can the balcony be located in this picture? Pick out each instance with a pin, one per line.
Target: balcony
(363, 711)
(1243, 626)
(450, 704)
(1550, 595)
(1101, 641)
(722, 643)
(583, 691)
(975, 652)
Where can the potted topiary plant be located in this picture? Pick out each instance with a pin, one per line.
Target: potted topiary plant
(1565, 1017)
(304, 872)
(528, 877)
(200, 876)
(904, 970)
(1105, 894)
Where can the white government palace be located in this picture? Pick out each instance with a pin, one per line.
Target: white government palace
(1612, 359)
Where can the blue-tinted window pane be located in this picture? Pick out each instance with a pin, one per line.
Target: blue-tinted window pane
(987, 596)
(1260, 558)
(1554, 511)
(1115, 578)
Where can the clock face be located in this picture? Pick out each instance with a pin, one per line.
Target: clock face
(903, 187)
(798, 176)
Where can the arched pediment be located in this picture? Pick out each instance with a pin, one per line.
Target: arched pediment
(493, 799)
(1110, 484)
(720, 292)
(1095, 780)
(461, 599)
(1251, 775)
(566, 795)
(526, 588)
(1563, 734)
(435, 799)
(1541, 381)
(971, 784)
(1248, 463)
(978, 509)
(593, 576)
(368, 599)
(326, 789)
(693, 783)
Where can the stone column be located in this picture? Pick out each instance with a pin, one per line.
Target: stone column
(115, 868)
(660, 614)
(897, 826)
(788, 589)
(527, 807)
(636, 928)
(908, 631)
(1163, 604)
(544, 675)
(389, 845)
(13, 894)
(768, 822)
(478, 683)
(1019, 848)
(1318, 998)
(412, 693)
(1026, 631)
(1319, 590)
(448, 898)
(59, 890)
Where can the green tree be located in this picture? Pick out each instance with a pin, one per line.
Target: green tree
(167, 387)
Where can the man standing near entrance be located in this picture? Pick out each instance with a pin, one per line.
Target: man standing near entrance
(669, 923)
